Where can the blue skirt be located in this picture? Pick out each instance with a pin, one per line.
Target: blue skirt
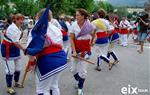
(13, 51)
(101, 41)
(51, 64)
(114, 37)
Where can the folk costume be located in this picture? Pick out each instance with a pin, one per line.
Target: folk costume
(83, 49)
(45, 43)
(11, 56)
(113, 40)
(124, 26)
(101, 27)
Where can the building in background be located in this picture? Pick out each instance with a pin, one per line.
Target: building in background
(147, 7)
(138, 10)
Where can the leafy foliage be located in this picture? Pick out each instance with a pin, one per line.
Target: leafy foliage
(121, 11)
(58, 7)
(26, 7)
(105, 5)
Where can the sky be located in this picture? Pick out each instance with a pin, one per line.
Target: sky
(133, 3)
(127, 2)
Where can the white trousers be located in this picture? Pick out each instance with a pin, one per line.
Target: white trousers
(51, 83)
(124, 39)
(101, 51)
(80, 67)
(12, 65)
(66, 46)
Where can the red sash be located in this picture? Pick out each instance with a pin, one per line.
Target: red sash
(130, 31)
(50, 49)
(64, 32)
(117, 29)
(8, 44)
(82, 45)
(123, 31)
(101, 34)
(135, 31)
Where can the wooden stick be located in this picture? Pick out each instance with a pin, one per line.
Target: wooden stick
(83, 59)
(25, 75)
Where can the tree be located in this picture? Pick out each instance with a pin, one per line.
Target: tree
(121, 11)
(5, 9)
(86, 4)
(31, 7)
(105, 5)
(27, 7)
(68, 6)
